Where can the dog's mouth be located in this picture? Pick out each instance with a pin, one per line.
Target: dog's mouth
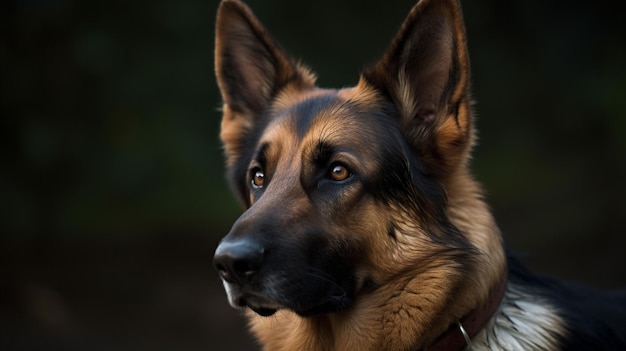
(260, 305)
(265, 307)
(263, 311)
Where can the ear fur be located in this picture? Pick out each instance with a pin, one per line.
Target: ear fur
(425, 73)
(251, 69)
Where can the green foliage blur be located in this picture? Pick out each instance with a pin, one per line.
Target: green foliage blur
(110, 120)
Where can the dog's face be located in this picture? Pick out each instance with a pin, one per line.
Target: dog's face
(344, 190)
(305, 181)
(326, 170)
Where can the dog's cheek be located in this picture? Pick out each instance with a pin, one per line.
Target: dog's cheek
(367, 230)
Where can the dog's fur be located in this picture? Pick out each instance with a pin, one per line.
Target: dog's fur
(364, 229)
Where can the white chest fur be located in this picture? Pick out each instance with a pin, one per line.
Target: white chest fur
(523, 322)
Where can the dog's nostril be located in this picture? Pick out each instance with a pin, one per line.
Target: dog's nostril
(224, 273)
(237, 270)
(237, 262)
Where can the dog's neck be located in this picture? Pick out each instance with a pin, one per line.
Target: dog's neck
(458, 336)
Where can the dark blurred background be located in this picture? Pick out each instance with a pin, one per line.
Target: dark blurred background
(112, 186)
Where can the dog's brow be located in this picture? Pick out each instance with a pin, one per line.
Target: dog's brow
(261, 154)
(322, 152)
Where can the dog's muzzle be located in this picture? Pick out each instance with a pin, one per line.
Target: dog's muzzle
(268, 278)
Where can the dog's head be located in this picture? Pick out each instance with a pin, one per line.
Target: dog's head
(344, 190)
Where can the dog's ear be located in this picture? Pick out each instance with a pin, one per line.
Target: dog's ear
(251, 69)
(425, 73)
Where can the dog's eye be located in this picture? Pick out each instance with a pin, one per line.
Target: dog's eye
(339, 172)
(258, 178)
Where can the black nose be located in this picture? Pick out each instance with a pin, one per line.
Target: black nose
(238, 261)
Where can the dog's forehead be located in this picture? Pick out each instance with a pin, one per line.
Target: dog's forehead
(330, 116)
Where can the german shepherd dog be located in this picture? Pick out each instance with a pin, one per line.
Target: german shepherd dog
(363, 227)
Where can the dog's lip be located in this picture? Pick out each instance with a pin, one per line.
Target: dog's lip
(259, 304)
(263, 311)
(265, 307)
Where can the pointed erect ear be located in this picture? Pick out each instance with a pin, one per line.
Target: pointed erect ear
(425, 73)
(251, 69)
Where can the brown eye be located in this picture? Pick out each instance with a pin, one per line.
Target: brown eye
(339, 172)
(258, 179)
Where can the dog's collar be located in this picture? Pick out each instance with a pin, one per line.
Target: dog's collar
(459, 335)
